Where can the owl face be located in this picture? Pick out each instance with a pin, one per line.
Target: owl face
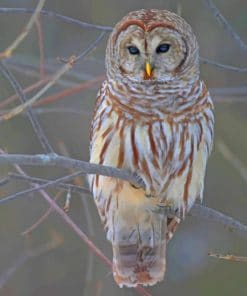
(153, 55)
(154, 45)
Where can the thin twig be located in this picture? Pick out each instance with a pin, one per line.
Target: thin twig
(224, 23)
(41, 48)
(32, 117)
(39, 187)
(230, 100)
(70, 91)
(218, 217)
(52, 98)
(26, 90)
(232, 92)
(42, 218)
(88, 242)
(223, 66)
(66, 186)
(88, 218)
(8, 52)
(91, 47)
(69, 64)
(77, 230)
(52, 14)
(56, 110)
(228, 257)
(90, 168)
(15, 111)
(65, 162)
(233, 159)
(31, 70)
(4, 181)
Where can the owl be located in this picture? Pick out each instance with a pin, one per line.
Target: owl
(154, 117)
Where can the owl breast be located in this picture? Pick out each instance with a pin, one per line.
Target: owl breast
(170, 155)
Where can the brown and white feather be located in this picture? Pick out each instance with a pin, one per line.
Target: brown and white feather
(162, 129)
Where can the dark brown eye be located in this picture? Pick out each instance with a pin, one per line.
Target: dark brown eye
(133, 50)
(162, 48)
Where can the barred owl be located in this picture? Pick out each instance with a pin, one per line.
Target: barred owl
(153, 117)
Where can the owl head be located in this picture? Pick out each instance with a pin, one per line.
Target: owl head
(152, 45)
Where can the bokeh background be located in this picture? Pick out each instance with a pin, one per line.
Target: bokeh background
(70, 268)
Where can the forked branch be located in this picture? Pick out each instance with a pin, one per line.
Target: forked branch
(91, 168)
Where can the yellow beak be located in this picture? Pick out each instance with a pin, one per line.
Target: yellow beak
(148, 69)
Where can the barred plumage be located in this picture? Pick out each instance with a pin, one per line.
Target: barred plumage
(160, 127)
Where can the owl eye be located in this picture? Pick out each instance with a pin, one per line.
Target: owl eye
(163, 48)
(133, 50)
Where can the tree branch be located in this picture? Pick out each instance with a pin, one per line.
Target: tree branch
(32, 117)
(66, 162)
(218, 217)
(223, 66)
(66, 186)
(69, 64)
(64, 18)
(224, 23)
(75, 228)
(8, 52)
(90, 168)
(81, 24)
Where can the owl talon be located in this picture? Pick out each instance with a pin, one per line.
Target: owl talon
(148, 195)
(134, 186)
(164, 210)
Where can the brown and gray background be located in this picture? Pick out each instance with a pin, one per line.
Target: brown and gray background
(52, 259)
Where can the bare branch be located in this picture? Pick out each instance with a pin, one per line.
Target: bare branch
(39, 187)
(64, 18)
(224, 23)
(223, 66)
(218, 217)
(8, 52)
(41, 48)
(228, 257)
(69, 64)
(229, 100)
(232, 158)
(32, 87)
(30, 69)
(56, 110)
(15, 111)
(43, 217)
(90, 168)
(77, 230)
(4, 181)
(65, 162)
(32, 117)
(70, 91)
(71, 187)
(210, 4)
(232, 92)
(91, 47)
(66, 186)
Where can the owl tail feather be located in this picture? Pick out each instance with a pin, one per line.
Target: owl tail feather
(140, 261)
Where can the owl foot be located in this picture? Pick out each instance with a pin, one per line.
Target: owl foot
(148, 194)
(134, 186)
(164, 209)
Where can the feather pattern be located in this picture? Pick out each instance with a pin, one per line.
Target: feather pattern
(163, 131)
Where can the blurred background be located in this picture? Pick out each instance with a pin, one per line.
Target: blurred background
(52, 259)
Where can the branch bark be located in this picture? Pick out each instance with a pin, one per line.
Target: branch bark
(91, 168)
